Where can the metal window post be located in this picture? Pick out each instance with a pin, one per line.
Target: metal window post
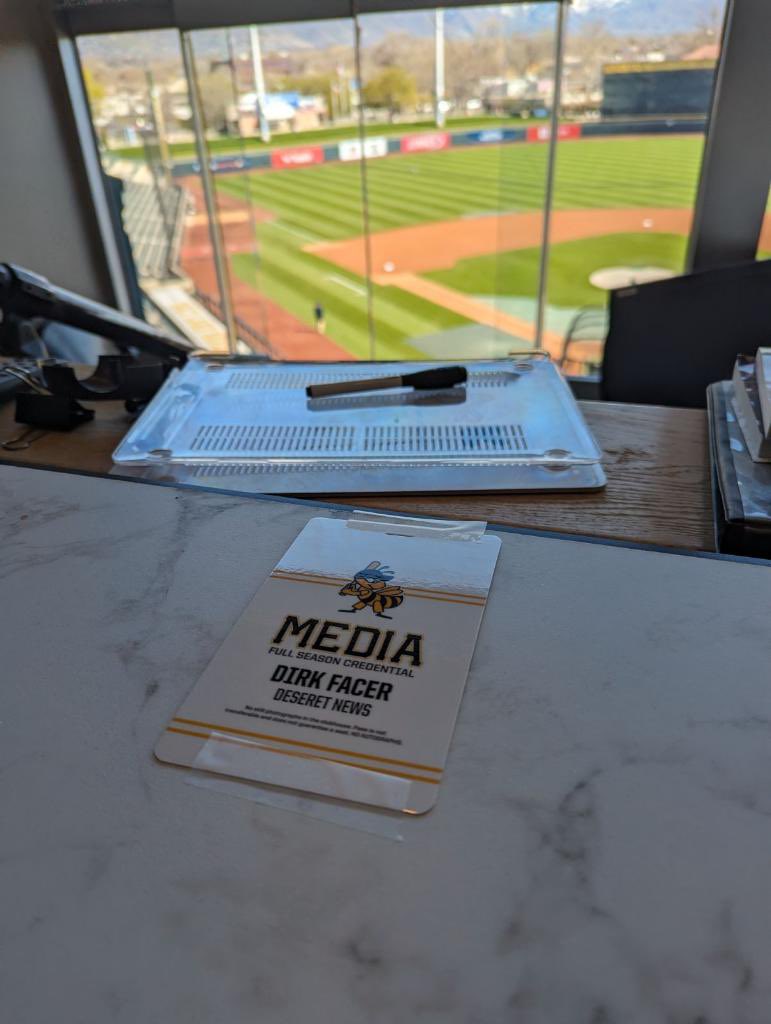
(364, 183)
(207, 182)
(119, 276)
(551, 166)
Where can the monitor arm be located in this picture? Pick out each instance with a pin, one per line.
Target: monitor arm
(51, 401)
(25, 295)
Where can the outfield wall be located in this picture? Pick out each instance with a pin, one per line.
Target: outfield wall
(291, 157)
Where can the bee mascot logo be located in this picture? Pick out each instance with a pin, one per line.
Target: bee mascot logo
(370, 587)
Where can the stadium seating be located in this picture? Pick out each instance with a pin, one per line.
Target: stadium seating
(153, 218)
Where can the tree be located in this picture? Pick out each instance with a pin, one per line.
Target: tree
(711, 19)
(216, 91)
(392, 88)
(94, 88)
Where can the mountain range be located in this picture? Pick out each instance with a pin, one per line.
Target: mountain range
(619, 17)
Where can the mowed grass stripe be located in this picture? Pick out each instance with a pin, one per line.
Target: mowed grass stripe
(391, 208)
(293, 188)
(292, 196)
(449, 199)
(450, 182)
(331, 213)
(587, 178)
(330, 219)
(397, 199)
(386, 210)
(422, 206)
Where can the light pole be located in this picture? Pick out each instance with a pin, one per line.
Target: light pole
(439, 67)
(259, 81)
(159, 122)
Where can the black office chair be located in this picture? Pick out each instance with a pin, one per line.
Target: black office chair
(669, 339)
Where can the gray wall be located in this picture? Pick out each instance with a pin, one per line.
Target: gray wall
(47, 221)
(733, 190)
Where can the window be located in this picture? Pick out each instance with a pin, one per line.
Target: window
(378, 187)
(635, 97)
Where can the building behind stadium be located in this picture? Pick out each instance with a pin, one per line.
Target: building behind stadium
(666, 88)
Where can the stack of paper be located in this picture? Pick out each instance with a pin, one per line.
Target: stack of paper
(752, 402)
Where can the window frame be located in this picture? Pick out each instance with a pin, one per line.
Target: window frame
(100, 16)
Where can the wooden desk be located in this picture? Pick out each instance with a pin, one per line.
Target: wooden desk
(655, 460)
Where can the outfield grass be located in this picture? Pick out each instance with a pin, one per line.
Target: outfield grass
(324, 202)
(232, 145)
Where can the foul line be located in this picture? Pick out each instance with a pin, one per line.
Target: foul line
(346, 284)
(296, 231)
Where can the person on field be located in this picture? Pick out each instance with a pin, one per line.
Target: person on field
(319, 318)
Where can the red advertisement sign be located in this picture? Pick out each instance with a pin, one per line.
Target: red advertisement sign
(425, 142)
(542, 132)
(300, 156)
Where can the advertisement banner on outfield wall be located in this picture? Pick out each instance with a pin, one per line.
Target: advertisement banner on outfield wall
(351, 149)
(426, 142)
(542, 132)
(487, 136)
(227, 163)
(299, 156)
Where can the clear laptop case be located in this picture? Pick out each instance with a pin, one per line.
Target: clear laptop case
(510, 412)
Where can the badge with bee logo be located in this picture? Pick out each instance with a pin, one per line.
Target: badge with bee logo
(371, 588)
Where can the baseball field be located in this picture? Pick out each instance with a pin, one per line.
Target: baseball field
(455, 235)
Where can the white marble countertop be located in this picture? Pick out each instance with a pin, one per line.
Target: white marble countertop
(600, 852)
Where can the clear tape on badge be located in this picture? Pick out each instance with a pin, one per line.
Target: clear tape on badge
(409, 526)
(376, 823)
(247, 759)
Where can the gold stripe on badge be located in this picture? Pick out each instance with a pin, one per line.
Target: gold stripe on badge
(447, 596)
(304, 756)
(300, 743)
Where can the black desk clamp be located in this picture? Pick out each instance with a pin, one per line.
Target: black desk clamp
(49, 398)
